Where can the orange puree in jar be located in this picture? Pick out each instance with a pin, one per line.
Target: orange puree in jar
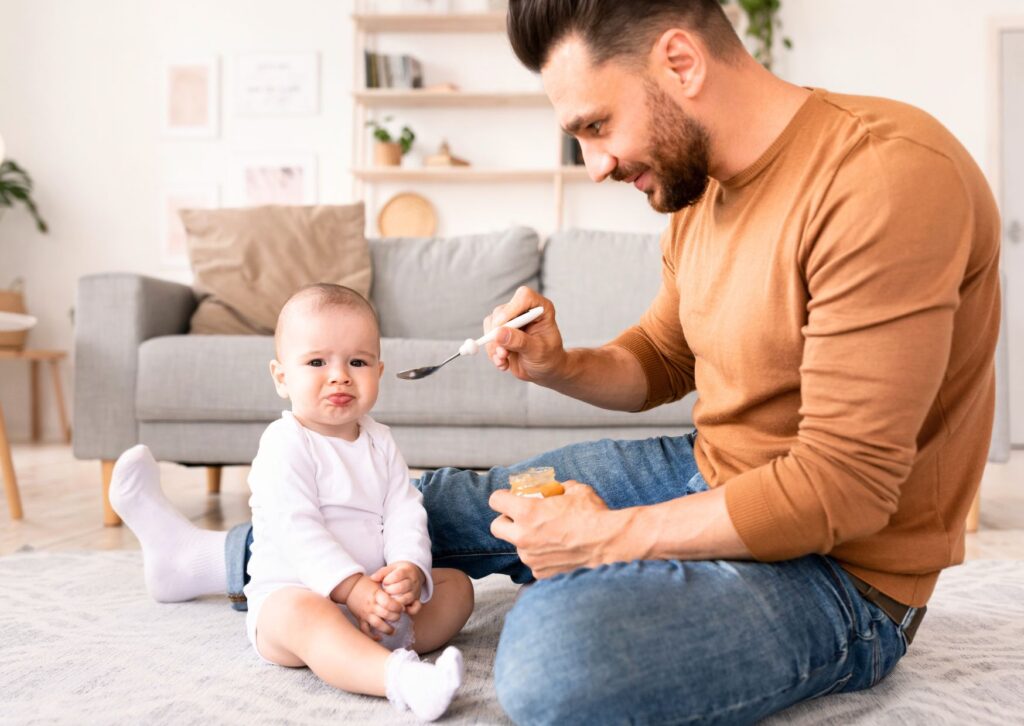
(537, 483)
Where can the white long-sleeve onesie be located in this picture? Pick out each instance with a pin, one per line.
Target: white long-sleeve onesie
(324, 509)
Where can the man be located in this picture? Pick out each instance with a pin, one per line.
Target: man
(830, 288)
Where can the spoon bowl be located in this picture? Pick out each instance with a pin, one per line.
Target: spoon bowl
(414, 374)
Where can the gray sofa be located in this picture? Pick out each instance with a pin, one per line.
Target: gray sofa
(205, 400)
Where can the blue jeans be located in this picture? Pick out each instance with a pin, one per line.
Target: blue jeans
(657, 641)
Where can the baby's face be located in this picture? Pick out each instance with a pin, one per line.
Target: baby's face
(329, 367)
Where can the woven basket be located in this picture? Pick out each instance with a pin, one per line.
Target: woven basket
(13, 301)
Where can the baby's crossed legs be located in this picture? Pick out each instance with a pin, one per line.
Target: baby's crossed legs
(298, 628)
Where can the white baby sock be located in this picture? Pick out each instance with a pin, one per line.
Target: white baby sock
(180, 561)
(425, 688)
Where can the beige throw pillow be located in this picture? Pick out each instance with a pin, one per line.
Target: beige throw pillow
(247, 262)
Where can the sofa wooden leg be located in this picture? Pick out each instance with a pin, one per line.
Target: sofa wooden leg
(110, 518)
(213, 479)
(974, 514)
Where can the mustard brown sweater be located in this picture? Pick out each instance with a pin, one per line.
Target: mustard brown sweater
(836, 306)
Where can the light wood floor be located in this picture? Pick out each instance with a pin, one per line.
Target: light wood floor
(61, 499)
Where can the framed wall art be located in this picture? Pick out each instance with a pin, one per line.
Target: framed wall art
(190, 92)
(277, 84)
(173, 240)
(275, 179)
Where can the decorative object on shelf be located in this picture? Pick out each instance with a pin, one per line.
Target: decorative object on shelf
(407, 215)
(277, 84)
(444, 157)
(275, 179)
(762, 22)
(442, 88)
(388, 150)
(392, 71)
(16, 188)
(191, 97)
(14, 323)
(173, 238)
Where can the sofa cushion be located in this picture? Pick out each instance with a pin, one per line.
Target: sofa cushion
(443, 288)
(248, 262)
(227, 378)
(580, 267)
(550, 408)
(466, 392)
(207, 378)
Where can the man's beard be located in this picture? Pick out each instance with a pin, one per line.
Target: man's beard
(679, 150)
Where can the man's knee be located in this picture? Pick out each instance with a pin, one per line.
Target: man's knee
(543, 671)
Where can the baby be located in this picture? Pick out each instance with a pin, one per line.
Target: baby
(341, 577)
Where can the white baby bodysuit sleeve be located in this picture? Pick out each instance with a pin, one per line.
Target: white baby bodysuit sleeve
(405, 520)
(284, 477)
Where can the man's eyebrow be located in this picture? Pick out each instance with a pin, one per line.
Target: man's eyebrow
(573, 127)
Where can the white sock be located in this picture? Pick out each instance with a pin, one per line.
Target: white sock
(181, 561)
(425, 688)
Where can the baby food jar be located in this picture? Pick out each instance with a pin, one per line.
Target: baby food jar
(536, 483)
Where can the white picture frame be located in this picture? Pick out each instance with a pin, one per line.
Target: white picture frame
(289, 179)
(190, 96)
(173, 198)
(277, 84)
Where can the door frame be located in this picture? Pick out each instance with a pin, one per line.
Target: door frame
(996, 27)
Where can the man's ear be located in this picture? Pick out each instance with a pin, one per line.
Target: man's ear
(682, 56)
(277, 373)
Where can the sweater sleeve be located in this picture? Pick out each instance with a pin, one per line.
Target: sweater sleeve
(884, 259)
(283, 477)
(405, 520)
(658, 341)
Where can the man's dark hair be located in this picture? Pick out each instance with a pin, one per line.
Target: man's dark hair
(614, 28)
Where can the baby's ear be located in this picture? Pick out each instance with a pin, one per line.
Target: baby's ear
(277, 373)
(380, 373)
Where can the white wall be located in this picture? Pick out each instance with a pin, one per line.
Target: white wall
(934, 54)
(79, 107)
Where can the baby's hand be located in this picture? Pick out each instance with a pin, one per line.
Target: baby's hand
(403, 581)
(375, 609)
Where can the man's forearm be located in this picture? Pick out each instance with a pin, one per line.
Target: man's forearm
(609, 377)
(694, 527)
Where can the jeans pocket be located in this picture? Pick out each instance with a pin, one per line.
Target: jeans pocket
(889, 644)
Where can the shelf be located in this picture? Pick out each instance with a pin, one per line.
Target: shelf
(388, 97)
(575, 173)
(430, 23)
(467, 174)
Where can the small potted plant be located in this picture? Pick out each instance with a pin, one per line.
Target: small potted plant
(16, 188)
(389, 150)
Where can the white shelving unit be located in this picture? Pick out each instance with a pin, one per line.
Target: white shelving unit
(367, 27)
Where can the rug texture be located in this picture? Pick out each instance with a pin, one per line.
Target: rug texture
(81, 643)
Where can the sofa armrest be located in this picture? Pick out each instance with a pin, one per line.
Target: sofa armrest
(114, 314)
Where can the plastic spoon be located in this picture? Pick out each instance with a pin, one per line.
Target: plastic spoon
(470, 347)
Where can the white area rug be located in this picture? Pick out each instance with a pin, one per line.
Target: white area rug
(80, 642)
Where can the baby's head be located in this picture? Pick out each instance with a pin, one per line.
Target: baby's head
(327, 344)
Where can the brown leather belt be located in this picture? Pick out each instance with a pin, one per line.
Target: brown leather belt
(896, 610)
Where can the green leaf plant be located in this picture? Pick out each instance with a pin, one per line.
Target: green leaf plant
(762, 22)
(16, 188)
(381, 133)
